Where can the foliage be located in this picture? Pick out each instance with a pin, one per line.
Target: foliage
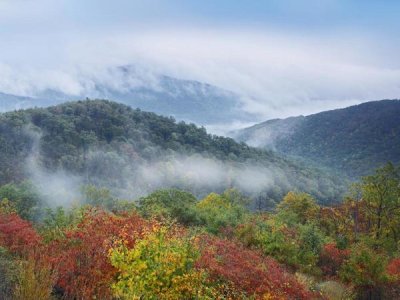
(24, 199)
(8, 274)
(56, 221)
(301, 205)
(35, 280)
(17, 235)
(248, 270)
(81, 258)
(158, 267)
(332, 258)
(393, 269)
(365, 268)
(381, 193)
(216, 211)
(170, 203)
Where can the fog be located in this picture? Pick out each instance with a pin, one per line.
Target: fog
(130, 179)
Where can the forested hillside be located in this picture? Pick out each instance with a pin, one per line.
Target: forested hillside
(134, 152)
(353, 140)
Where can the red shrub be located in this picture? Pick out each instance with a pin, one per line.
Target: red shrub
(393, 268)
(248, 270)
(332, 258)
(81, 260)
(17, 235)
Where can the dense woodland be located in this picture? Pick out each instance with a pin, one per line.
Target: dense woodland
(105, 142)
(169, 245)
(353, 140)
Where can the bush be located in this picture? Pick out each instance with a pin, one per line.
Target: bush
(159, 266)
(248, 270)
(332, 258)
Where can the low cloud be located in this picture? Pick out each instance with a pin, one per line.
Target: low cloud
(275, 74)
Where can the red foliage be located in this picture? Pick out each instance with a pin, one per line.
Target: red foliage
(248, 270)
(81, 260)
(332, 258)
(393, 268)
(17, 235)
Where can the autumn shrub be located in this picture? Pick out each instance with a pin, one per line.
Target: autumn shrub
(393, 269)
(35, 279)
(248, 270)
(332, 258)
(160, 266)
(17, 235)
(81, 258)
(8, 274)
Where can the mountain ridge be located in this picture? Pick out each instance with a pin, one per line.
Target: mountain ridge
(356, 139)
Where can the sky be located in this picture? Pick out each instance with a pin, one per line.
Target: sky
(283, 57)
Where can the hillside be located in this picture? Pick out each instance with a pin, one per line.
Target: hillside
(354, 140)
(135, 152)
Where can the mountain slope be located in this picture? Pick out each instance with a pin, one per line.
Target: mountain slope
(355, 140)
(134, 152)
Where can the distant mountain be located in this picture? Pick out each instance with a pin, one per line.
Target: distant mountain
(183, 99)
(134, 152)
(12, 102)
(354, 140)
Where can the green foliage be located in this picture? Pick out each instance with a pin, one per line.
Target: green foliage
(277, 240)
(56, 221)
(216, 211)
(23, 198)
(381, 192)
(170, 203)
(99, 140)
(365, 268)
(301, 206)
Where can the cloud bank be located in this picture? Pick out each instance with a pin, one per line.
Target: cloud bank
(290, 60)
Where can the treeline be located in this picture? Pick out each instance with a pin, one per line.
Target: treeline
(105, 143)
(168, 245)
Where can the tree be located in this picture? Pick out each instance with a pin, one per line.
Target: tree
(170, 203)
(381, 192)
(301, 205)
(365, 269)
(220, 211)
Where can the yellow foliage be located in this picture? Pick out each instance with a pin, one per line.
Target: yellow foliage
(158, 267)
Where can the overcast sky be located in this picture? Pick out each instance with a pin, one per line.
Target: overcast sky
(284, 57)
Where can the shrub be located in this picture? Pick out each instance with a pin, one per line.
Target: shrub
(332, 258)
(81, 258)
(248, 270)
(160, 266)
